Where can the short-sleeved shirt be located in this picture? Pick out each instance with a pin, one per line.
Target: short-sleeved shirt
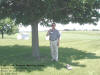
(54, 34)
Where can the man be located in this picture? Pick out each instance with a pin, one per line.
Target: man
(54, 37)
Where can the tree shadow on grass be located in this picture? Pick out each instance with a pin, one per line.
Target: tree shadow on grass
(21, 58)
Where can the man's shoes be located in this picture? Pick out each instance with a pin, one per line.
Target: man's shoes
(54, 60)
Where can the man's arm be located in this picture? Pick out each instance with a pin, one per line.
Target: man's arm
(58, 38)
(48, 33)
(58, 41)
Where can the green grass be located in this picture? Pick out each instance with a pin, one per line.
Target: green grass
(80, 49)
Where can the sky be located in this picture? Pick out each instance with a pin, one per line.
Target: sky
(70, 26)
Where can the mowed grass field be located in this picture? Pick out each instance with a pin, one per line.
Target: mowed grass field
(80, 49)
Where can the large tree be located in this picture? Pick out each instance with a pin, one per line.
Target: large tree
(44, 11)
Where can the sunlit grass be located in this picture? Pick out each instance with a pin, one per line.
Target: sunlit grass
(80, 49)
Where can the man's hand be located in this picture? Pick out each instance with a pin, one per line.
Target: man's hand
(58, 43)
(48, 33)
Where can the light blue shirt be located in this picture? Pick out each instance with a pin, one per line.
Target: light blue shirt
(54, 34)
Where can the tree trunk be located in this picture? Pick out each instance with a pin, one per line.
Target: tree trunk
(35, 41)
(2, 34)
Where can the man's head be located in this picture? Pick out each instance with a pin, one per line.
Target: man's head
(53, 25)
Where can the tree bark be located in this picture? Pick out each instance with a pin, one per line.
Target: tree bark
(35, 41)
(2, 34)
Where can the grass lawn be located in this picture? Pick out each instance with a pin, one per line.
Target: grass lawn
(80, 49)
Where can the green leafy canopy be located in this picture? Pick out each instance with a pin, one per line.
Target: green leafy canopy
(45, 11)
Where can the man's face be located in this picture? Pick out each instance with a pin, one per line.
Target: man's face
(53, 26)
